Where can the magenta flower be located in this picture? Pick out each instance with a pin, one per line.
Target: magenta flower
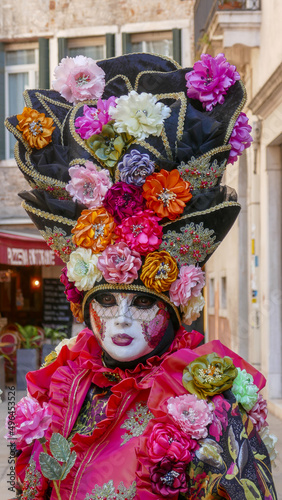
(119, 264)
(220, 416)
(167, 441)
(190, 281)
(210, 79)
(78, 79)
(141, 232)
(258, 413)
(88, 185)
(123, 200)
(72, 293)
(94, 118)
(168, 478)
(31, 421)
(191, 414)
(240, 138)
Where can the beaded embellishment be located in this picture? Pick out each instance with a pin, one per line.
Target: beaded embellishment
(59, 241)
(31, 481)
(136, 422)
(109, 492)
(193, 239)
(201, 173)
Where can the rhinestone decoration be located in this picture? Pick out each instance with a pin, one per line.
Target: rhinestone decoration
(136, 422)
(201, 173)
(169, 477)
(194, 240)
(31, 481)
(109, 492)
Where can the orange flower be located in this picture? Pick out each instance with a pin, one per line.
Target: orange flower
(159, 271)
(37, 129)
(94, 229)
(76, 310)
(166, 193)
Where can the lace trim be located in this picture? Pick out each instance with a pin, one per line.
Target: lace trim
(31, 481)
(109, 492)
(136, 422)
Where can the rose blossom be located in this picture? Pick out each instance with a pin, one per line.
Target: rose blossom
(88, 185)
(72, 293)
(190, 281)
(31, 421)
(78, 79)
(258, 413)
(135, 167)
(210, 79)
(191, 414)
(220, 416)
(240, 138)
(123, 200)
(167, 441)
(168, 478)
(141, 232)
(192, 310)
(119, 264)
(94, 118)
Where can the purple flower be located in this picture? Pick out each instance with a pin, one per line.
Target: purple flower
(93, 119)
(210, 79)
(168, 478)
(72, 293)
(123, 200)
(135, 167)
(240, 138)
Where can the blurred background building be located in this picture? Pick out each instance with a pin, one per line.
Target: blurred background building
(244, 277)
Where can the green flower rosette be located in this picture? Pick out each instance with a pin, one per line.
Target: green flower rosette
(209, 375)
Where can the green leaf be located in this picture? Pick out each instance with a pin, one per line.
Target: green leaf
(232, 444)
(250, 490)
(59, 447)
(50, 468)
(70, 463)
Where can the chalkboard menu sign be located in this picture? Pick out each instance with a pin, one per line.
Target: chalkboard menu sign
(56, 308)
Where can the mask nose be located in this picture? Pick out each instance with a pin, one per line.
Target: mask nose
(123, 317)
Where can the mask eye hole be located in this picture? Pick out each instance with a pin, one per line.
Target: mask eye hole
(106, 299)
(143, 301)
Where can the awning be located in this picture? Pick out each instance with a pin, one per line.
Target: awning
(18, 249)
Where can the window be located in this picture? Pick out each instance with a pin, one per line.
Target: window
(94, 47)
(21, 73)
(211, 292)
(159, 42)
(223, 292)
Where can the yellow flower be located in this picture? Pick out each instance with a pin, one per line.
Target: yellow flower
(209, 375)
(159, 271)
(36, 128)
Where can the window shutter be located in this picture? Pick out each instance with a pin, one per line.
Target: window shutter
(2, 101)
(44, 73)
(126, 43)
(176, 34)
(110, 45)
(62, 48)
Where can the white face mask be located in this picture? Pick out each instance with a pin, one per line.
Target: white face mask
(128, 325)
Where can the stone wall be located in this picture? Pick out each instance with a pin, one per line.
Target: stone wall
(11, 183)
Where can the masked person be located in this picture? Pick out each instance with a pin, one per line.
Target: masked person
(125, 158)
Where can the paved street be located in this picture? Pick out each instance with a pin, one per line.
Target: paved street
(274, 423)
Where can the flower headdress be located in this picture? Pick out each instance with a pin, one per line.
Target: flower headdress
(125, 160)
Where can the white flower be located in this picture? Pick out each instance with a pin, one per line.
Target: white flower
(140, 115)
(270, 441)
(69, 342)
(192, 310)
(82, 268)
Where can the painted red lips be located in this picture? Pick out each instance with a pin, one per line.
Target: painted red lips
(122, 339)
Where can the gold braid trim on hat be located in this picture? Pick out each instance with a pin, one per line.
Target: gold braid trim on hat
(132, 288)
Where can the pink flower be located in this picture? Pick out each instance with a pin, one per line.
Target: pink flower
(72, 293)
(94, 118)
(191, 414)
(220, 416)
(123, 200)
(210, 79)
(240, 138)
(31, 420)
(119, 264)
(88, 185)
(167, 441)
(141, 232)
(189, 283)
(258, 413)
(79, 78)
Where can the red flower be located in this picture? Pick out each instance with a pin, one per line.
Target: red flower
(168, 478)
(167, 441)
